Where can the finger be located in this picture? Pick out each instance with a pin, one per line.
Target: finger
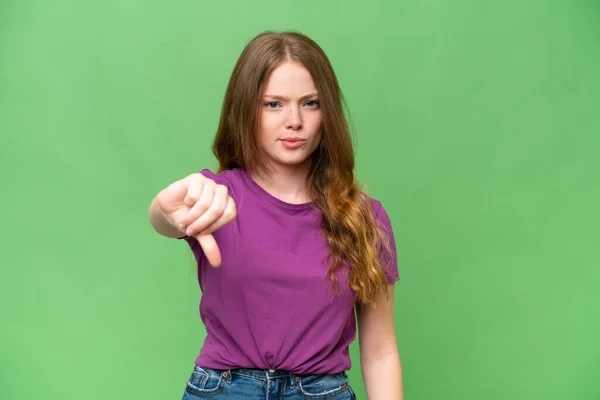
(195, 185)
(173, 193)
(171, 200)
(202, 204)
(210, 249)
(214, 212)
(229, 215)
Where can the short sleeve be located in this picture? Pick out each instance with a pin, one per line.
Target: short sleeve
(389, 259)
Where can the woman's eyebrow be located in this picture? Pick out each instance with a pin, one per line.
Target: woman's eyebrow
(283, 98)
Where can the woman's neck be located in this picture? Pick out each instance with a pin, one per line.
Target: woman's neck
(287, 184)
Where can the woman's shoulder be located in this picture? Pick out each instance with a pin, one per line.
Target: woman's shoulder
(229, 177)
(375, 204)
(379, 210)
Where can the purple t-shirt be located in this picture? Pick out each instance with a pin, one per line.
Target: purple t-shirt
(269, 305)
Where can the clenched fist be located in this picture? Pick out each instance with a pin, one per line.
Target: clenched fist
(197, 206)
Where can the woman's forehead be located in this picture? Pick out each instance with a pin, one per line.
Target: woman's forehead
(290, 79)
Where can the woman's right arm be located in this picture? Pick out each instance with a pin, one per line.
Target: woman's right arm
(194, 206)
(161, 223)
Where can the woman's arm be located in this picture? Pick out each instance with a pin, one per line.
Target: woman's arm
(160, 223)
(379, 355)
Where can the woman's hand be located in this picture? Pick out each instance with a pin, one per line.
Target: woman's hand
(198, 206)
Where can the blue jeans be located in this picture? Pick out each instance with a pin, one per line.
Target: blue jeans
(258, 384)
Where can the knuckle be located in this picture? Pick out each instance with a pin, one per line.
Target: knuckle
(223, 188)
(195, 178)
(209, 182)
(192, 197)
(229, 214)
(218, 207)
(194, 228)
(203, 205)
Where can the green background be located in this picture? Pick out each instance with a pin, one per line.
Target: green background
(477, 126)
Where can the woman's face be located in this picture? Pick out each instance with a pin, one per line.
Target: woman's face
(290, 117)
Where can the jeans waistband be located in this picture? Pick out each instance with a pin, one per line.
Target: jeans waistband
(264, 374)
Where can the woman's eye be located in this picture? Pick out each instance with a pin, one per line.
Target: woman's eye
(313, 103)
(272, 104)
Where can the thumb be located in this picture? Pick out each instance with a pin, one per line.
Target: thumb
(210, 248)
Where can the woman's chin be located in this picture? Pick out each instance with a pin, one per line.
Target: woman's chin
(293, 161)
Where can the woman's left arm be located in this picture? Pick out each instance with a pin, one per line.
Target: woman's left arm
(379, 355)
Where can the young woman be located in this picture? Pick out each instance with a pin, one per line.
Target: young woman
(299, 248)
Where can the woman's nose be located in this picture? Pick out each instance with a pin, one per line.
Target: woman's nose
(294, 119)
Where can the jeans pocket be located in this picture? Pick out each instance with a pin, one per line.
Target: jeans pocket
(205, 382)
(323, 386)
